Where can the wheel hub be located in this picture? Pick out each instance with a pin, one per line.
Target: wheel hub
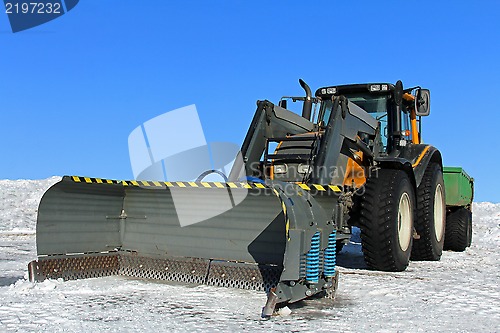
(404, 222)
(439, 213)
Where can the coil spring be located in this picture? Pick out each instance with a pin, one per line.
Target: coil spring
(329, 256)
(312, 260)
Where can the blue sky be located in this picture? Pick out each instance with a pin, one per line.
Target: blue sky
(73, 89)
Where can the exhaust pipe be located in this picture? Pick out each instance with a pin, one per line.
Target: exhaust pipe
(307, 107)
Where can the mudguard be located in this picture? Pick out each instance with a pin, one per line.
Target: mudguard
(412, 157)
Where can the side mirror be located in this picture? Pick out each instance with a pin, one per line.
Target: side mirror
(282, 103)
(423, 102)
(398, 93)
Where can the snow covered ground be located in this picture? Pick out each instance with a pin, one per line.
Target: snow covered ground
(458, 294)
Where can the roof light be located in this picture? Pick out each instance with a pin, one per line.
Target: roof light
(331, 90)
(323, 91)
(375, 87)
(385, 87)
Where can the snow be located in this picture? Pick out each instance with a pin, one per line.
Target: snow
(19, 203)
(459, 293)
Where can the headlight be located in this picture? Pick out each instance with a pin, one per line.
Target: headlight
(330, 91)
(280, 168)
(304, 168)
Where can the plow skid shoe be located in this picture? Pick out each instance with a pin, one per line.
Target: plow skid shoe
(244, 235)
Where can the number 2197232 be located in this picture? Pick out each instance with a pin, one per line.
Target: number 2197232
(33, 8)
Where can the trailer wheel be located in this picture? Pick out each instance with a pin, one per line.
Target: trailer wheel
(458, 230)
(387, 215)
(469, 228)
(431, 216)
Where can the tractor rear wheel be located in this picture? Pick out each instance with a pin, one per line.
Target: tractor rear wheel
(386, 222)
(458, 230)
(431, 215)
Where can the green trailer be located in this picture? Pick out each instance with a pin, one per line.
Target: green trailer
(459, 188)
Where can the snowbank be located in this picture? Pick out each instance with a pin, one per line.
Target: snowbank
(19, 201)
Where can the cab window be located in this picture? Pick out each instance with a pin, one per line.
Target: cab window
(376, 106)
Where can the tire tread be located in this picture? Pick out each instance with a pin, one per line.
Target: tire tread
(376, 210)
(424, 247)
(458, 231)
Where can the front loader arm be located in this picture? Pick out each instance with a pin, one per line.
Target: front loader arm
(269, 121)
(347, 123)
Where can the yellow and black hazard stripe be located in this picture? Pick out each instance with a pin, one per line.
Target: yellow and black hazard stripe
(321, 188)
(144, 183)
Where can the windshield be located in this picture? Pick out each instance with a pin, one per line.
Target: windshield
(369, 102)
(374, 104)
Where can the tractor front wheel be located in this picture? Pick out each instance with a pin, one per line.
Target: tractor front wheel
(387, 215)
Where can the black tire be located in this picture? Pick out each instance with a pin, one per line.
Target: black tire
(469, 228)
(431, 215)
(386, 222)
(458, 234)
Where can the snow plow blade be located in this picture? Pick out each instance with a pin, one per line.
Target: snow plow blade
(272, 237)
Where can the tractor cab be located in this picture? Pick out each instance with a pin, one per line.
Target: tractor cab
(395, 109)
(376, 99)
